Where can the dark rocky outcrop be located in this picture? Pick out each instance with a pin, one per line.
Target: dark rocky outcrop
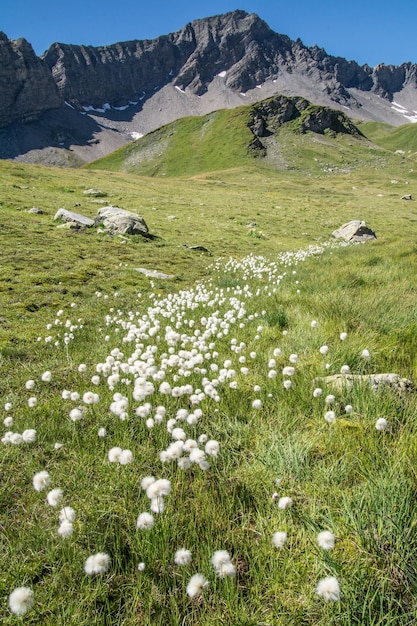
(27, 88)
(269, 115)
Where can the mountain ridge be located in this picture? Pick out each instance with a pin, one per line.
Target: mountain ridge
(130, 88)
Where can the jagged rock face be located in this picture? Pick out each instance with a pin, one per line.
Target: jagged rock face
(270, 114)
(27, 86)
(238, 43)
(114, 74)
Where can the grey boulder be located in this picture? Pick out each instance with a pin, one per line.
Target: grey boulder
(356, 230)
(118, 221)
(70, 216)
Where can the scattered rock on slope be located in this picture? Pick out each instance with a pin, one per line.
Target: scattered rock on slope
(356, 230)
(118, 221)
(70, 216)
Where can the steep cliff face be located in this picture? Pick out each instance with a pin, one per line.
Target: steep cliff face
(27, 86)
(238, 44)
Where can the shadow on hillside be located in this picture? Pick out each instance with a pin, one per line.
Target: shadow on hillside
(61, 129)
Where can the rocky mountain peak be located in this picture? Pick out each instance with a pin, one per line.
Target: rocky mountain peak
(132, 87)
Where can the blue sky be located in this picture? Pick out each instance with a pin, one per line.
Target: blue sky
(367, 31)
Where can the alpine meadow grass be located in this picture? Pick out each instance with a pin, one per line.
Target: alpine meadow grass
(171, 453)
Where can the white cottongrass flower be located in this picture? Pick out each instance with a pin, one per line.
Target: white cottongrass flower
(54, 497)
(41, 481)
(145, 521)
(8, 422)
(345, 369)
(67, 514)
(329, 399)
(287, 384)
(76, 415)
(196, 584)
(21, 600)
(330, 416)
(102, 432)
(293, 358)
(324, 350)
(284, 502)
(141, 567)
(65, 529)
(326, 539)
(219, 558)
(29, 435)
(147, 481)
(343, 336)
(222, 564)
(90, 397)
(46, 377)
(125, 457)
(381, 424)
(182, 557)
(365, 354)
(348, 408)
(257, 404)
(158, 488)
(114, 454)
(8, 406)
(82, 368)
(313, 323)
(97, 564)
(212, 447)
(279, 539)
(288, 371)
(32, 402)
(317, 392)
(328, 588)
(29, 384)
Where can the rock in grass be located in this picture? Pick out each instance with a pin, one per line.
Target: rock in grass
(356, 230)
(96, 193)
(118, 221)
(153, 273)
(70, 216)
(339, 382)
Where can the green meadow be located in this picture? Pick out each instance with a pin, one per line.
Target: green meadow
(207, 382)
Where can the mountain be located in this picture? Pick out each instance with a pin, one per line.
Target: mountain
(77, 103)
(272, 134)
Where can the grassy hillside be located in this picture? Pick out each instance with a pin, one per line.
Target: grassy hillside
(217, 141)
(245, 446)
(403, 138)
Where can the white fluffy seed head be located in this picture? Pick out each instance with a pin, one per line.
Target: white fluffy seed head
(54, 497)
(381, 424)
(29, 435)
(145, 521)
(284, 502)
(67, 514)
(114, 454)
(41, 481)
(65, 529)
(97, 564)
(125, 457)
(279, 539)
(21, 600)
(326, 540)
(182, 557)
(328, 588)
(196, 585)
